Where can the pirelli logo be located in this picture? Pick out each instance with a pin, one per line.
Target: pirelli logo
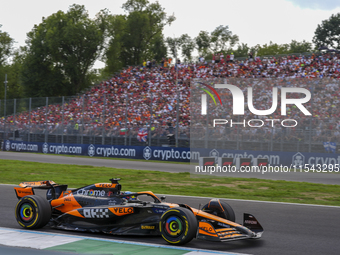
(96, 213)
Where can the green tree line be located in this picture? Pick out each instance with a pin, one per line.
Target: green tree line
(60, 52)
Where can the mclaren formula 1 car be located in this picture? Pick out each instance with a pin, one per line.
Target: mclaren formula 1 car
(103, 207)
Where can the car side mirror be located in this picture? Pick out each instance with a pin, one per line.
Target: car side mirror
(163, 198)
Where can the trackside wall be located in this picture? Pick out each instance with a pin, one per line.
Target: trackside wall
(170, 153)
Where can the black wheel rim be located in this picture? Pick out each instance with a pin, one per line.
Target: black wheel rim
(174, 226)
(26, 212)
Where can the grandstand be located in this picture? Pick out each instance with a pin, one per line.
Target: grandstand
(114, 111)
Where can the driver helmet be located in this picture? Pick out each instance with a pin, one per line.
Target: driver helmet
(129, 197)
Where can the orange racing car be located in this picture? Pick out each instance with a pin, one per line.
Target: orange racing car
(103, 207)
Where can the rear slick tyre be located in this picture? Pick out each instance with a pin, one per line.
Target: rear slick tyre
(33, 212)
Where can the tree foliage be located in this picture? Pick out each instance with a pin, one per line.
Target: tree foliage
(114, 32)
(144, 26)
(10, 68)
(60, 52)
(13, 70)
(173, 44)
(187, 46)
(221, 37)
(219, 40)
(277, 49)
(300, 47)
(158, 48)
(328, 33)
(136, 36)
(6, 46)
(203, 42)
(271, 49)
(184, 43)
(242, 50)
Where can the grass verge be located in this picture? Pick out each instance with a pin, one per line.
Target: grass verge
(14, 172)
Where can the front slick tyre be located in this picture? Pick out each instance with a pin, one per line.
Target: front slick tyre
(33, 212)
(178, 226)
(220, 209)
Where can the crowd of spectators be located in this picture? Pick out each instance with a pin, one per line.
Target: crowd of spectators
(146, 96)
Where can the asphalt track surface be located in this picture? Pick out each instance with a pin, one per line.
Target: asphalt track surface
(325, 178)
(288, 228)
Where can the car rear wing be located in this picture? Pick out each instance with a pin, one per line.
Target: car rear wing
(38, 184)
(27, 188)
